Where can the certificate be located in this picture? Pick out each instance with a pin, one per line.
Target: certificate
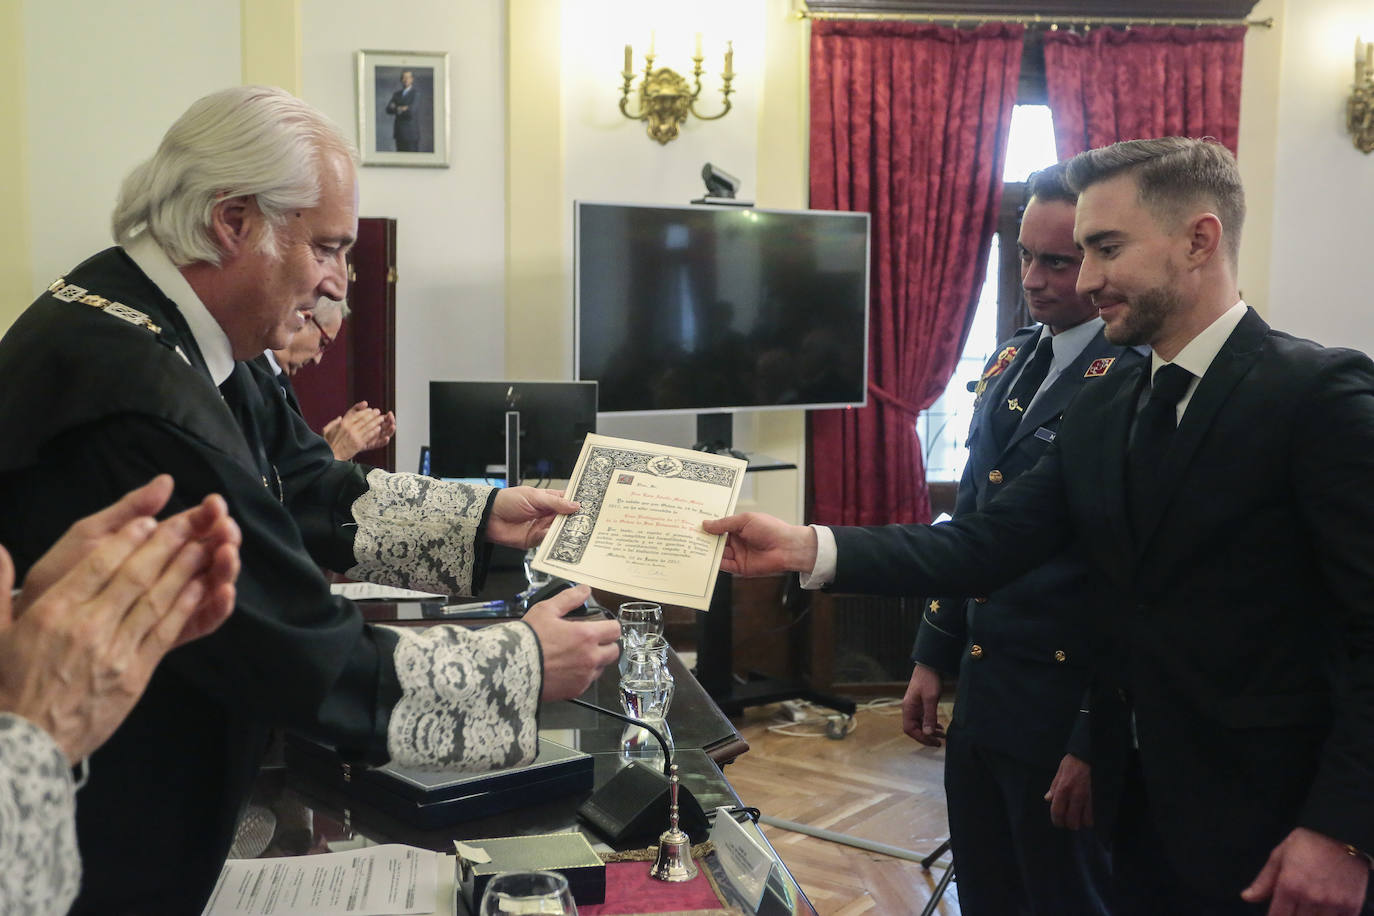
(638, 531)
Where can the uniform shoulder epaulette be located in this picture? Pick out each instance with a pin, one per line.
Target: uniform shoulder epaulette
(70, 292)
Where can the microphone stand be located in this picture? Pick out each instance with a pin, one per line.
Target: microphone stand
(662, 742)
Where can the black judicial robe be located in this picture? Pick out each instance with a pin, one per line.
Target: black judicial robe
(97, 405)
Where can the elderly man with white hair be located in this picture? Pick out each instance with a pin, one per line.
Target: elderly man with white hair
(226, 240)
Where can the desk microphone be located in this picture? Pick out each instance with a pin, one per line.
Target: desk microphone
(633, 805)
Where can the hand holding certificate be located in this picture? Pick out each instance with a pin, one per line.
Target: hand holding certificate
(638, 530)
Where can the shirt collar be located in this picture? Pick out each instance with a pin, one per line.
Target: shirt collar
(272, 361)
(1071, 342)
(1199, 352)
(205, 330)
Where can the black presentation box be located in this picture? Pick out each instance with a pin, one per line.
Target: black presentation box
(566, 853)
(439, 798)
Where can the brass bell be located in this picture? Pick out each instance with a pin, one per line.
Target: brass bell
(674, 862)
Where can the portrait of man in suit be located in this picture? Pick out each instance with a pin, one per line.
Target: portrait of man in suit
(1217, 491)
(404, 108)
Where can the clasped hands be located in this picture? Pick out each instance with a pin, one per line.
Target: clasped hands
(99, 610)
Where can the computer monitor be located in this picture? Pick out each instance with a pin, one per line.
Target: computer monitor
(467, 427)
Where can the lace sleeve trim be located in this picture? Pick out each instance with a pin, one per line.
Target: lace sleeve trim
(42, 870)
(469, 697)
(417, 532)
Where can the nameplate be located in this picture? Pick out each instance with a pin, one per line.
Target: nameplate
(746, 863)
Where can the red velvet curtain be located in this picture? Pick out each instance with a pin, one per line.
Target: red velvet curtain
(1138, 83)
(908, 122)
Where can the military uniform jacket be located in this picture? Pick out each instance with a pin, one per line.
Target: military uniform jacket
(1022, 651)
(1241, 617)
(101, 398)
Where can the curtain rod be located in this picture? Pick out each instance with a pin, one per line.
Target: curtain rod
(1052, 22)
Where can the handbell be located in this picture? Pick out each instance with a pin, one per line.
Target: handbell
(674, 862)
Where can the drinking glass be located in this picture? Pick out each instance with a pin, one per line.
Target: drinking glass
(534, 578)
(528, 893)
(646, 686)
(638, 621)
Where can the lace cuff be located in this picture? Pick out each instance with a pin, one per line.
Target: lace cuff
(42, 870)
(469, 697)
(417, 532)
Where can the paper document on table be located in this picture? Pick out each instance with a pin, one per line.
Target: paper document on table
(638, 531)
(388, 880)
(371, 591)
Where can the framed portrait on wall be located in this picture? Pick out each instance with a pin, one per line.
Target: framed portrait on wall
(403, 108)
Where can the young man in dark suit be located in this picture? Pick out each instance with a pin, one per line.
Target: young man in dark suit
(1017, 770)
(1221, 490)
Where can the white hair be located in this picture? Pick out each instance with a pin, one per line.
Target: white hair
(249, 141)
(325, 306)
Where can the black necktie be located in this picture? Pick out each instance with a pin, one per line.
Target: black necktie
(1008, 413)
(1154, 430)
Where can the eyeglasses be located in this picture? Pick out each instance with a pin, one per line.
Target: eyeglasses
(325, 339)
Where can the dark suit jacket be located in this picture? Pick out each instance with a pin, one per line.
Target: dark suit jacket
(282, 381)
(1241, 625)
(1021, 689)
(406, 127)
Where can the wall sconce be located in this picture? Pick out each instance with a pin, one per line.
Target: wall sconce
(1359, 111)
(665, 98)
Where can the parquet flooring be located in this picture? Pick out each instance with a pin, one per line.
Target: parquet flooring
(876, 784)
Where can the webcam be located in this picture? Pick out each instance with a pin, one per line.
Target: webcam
(719, 183)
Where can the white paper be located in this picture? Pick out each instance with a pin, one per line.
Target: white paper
(371, 591)
(746, 863)
(386, 880)
(638, 531)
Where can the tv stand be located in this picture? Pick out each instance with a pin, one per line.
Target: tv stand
(716, 640)
(715, 651)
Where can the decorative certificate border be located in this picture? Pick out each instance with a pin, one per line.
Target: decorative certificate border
(602, 461)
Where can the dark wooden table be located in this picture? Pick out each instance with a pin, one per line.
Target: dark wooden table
(312, 817)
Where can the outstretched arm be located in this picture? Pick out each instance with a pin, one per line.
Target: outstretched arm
(761, 545)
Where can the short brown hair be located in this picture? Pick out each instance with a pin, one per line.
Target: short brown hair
(1173, 174)
(1050, 183)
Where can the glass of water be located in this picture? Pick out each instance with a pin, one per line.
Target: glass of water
(525, 893)
(646, 685)
(638, 621)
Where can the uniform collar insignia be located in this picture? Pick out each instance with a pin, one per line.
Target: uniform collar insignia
(1099, 367)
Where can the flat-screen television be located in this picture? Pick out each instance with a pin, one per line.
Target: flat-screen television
(467, 427)
(711, 308)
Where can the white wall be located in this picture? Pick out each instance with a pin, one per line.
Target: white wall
(609, 157)
(104, 81)
(1322, 269)
(450, 306)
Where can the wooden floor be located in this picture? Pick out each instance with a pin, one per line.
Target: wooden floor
(876, 784)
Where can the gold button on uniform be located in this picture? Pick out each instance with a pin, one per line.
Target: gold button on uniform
(976, 651)
(935, 606)
(1059, 655)
(994, 476)
(980, 600)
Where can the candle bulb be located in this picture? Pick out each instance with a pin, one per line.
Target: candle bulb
(697, 52)
(629, 59)
(651, 44)
(729, 58)
(1369, 58)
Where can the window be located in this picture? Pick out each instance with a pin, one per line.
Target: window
(943, 427)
